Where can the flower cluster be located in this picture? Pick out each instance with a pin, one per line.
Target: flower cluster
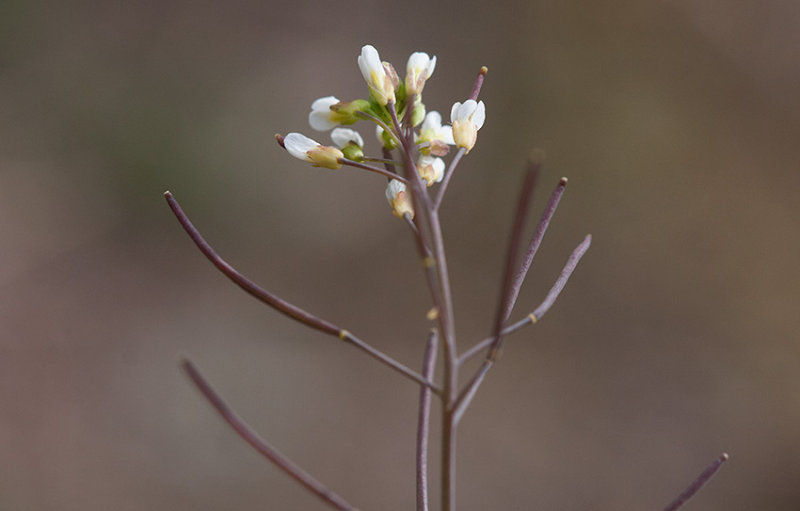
(401, 122)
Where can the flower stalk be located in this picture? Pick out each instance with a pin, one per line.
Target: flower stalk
(413, 143)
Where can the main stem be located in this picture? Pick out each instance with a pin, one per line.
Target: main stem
(450, 387)
(430, 230)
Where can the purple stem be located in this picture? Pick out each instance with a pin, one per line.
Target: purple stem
(370, 168)
(533, 247)
(466, 396)
(569, 267)
(520, 215)
(423, 425)
(540, 311)
(447, 176)
(283, 306)
(698, 483)
(269, 452)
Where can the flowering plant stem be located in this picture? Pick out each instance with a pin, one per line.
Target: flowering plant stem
(410, 175)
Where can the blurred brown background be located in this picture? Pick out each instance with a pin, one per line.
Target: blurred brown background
(677, 123)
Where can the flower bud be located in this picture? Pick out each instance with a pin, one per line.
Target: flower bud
(419, 68)
(349, 141)
(430, 169)
(306, 149)
(467, 119)
(399, 199)
(381, 77)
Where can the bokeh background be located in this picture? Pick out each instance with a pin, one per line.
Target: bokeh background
(677, 123)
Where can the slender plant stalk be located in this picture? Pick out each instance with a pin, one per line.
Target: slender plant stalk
(521, 213)
(269, 452)
(370, 168)
(283, 306)
(698, 483)
(447, 176)
(533, 246)
(423, 424)
(422, 218)
(506, 290)
(543, 307)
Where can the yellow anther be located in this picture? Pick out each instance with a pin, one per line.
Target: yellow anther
(432, 314)
(532, 316)
(428, 262)
(343, 334)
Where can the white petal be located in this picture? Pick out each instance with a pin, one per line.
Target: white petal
(431, 66)
(343, 136)
(438, 169)
(479, 116)
(454, 111)
(324, 104)
(445, 134)
(393, 189)
(320, 117)
(418, 62)
(433, 121)
(465, 110)
(298, 145)
(370, 62)
(320, 121)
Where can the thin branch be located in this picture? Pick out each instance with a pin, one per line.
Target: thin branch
(387, 156)
(540, 311)
(243, 282)
(390, 106)
(423, 424)
(526, 194)
(370, 168)
(572, 263)
(380, 123)
(698, 483)
(533, 246)
(409, 111)
(465, 398)
(283, 306)
(385, 161)
(447, 175)
(478, 348)
(269, 452)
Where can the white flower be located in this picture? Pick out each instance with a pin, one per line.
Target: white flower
(343, 136)
(306, 149)
(467, 119)
(398, 199)
(435, 134)
(322, 118)
(380, 76)
(430, 169)
(419, 68)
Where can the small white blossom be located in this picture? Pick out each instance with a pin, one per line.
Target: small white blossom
(435, 134)
(380, 76)
(430, 169)
(419, 68)
(467, 118)
(322, 118)
(306, 149)
(343, 136)
(398, 199)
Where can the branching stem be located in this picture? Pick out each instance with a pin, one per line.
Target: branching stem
(265, 449)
